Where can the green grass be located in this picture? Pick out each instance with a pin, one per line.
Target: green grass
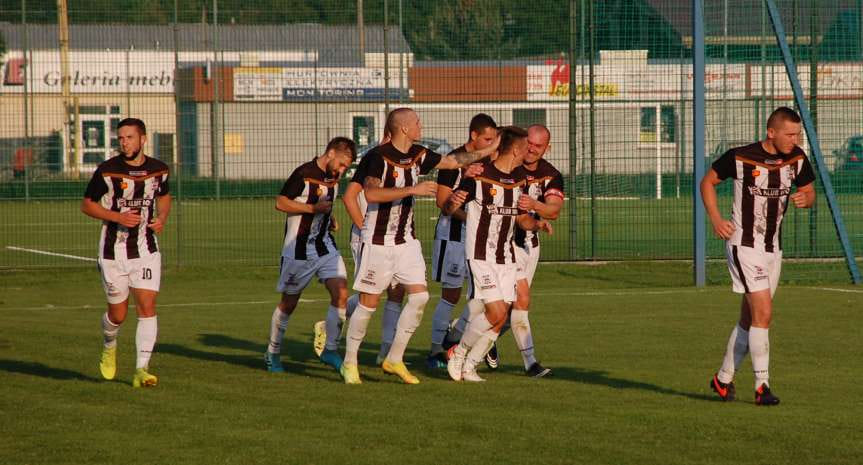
(248, 232)
(632, 345)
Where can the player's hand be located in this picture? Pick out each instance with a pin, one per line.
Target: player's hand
(323, 206)
(425, 189)
(473, 170)
(526, 203)
(457, 198)
(723, 228)
(156, 225)
(799, 199)
(334, 225)
(542, 225)
(129, 219)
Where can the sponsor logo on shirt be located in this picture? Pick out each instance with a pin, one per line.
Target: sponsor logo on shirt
(138, 173)
(769, 192)
(503, 211)
(134, 203)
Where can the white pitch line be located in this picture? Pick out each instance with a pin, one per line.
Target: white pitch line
(42, 252)
(616, 293)
(188, 304)
(834, 289)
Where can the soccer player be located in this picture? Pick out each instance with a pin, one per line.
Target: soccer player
(129, 193)
(309, 248)
(492, 214)
(327, 337)
(448, 262)
(390, 251)
(543, 196)
(763, 174)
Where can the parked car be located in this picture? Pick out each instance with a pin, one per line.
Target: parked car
(849, 157)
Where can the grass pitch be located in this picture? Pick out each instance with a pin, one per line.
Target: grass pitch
(632, 347)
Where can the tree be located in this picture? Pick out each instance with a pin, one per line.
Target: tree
(463, 29)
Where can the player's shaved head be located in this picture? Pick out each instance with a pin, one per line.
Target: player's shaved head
(398, 119)
(541, 130)
(780, 116)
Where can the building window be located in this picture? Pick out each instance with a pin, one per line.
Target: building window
(524, 117)
(667, 127)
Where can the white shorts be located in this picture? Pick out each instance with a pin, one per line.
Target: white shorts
(491, 281)
(753, 270)
(448, 264)
(137, 273)
(526, 259)
(295, 275)
(381, 265)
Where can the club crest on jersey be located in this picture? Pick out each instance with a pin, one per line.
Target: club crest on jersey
(756, 173)
(320, 191)
(492, 191)
(124, 185)
(395, 174)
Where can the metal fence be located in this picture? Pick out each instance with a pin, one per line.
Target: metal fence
(236, 96)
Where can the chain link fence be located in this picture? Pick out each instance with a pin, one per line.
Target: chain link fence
(236, 96)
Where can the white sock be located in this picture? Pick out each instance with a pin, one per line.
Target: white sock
(109, 331)
(278, 323)
(759, 350)
(478, 326)
(409, 321)
(440, 324)
(471, 309)
(357, 326)
(479, 349)
(392, 311)
(352, 304)
(335, 319)
(737, 348)
(523, 336)
(145, 339)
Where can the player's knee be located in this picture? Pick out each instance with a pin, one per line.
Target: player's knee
(418, 300)
(339, 297)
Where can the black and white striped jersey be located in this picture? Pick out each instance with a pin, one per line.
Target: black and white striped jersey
(545, 181)
(120, 187)
(359, 178)
(307, 235)
(762, 185)
(392, 223)
(449, 228)
(492, 207)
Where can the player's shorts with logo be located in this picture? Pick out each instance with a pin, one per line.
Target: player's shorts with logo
(381, 265)
(138, 273)
(526, 259)
(753, 270)
(492, 281)
(295, 275)
(448, 264)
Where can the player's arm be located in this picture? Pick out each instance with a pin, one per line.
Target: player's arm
(549, 209)
(352, 203)
(163, 209)
(805, 196)
(722, 227)
(95, 210)
(454, 202)
(529, 223)
(461, 159)
(292, 207)
(377, 194)
(441, 198)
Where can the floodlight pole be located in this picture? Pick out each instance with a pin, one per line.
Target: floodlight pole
(698, 109)
(823, 174)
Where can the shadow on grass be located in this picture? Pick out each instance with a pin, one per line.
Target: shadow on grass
(601, 378)
(44, 371)
(297, 355)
